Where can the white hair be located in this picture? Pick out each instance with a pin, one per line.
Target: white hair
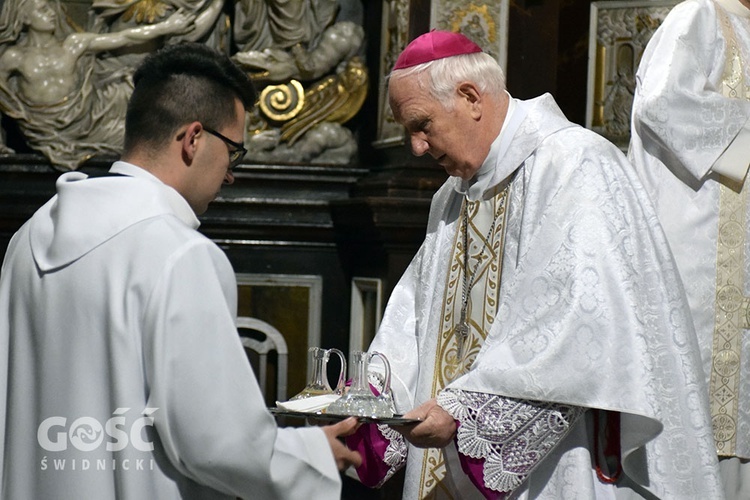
(441, 76)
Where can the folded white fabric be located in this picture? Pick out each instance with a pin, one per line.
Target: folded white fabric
(311, 404)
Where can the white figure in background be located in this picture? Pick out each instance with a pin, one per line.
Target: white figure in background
(690, 142)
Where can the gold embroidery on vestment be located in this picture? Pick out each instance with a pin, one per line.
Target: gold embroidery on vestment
(485, 259)
(732, 307)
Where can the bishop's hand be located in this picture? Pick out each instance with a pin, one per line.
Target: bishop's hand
(436, 430)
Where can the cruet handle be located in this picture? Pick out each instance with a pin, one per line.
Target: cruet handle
(387, 382)
(340, 385)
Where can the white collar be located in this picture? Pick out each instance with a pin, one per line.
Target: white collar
(175, 200)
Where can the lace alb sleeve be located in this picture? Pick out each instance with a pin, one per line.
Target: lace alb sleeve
(509, 437)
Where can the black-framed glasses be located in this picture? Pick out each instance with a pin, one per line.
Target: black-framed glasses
(235, 155)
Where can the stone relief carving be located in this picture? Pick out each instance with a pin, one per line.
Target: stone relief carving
(619, 34)
(4, 149)
(209, 26)
(67, 88)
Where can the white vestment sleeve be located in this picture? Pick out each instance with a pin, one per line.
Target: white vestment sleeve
(211, 418)
(735, 160)
(397, 336)
(679, 112)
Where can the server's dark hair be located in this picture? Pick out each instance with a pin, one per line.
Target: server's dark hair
(180, 84)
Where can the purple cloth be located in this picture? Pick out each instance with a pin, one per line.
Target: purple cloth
(371, 444)
(474, 468)
(435, 45)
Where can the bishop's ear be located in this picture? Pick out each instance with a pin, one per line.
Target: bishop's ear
(470, 93)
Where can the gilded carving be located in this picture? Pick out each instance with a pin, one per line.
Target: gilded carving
(282, 102)
(300, 54)
(145, 11)
(484, 22)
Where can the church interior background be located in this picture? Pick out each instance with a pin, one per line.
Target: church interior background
(329, 206)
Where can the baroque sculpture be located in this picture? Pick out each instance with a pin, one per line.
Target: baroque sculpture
(68, 102)
(67, 88)
(314, 79)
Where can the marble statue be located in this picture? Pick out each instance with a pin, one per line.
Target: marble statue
(68, 102)
(4, 148)
(210, 25)
(67, 88)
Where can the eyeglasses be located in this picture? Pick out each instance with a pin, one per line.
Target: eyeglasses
(235, 155)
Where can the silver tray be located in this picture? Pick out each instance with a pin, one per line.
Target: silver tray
(329, 417)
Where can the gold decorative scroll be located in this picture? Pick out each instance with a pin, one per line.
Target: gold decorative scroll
(282, 102)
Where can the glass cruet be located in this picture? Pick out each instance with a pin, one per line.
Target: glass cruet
(317, 379)
(359, 399)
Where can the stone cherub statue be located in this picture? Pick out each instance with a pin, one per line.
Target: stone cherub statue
(68, 99)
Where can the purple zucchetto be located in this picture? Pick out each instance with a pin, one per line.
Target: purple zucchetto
(435, 45)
